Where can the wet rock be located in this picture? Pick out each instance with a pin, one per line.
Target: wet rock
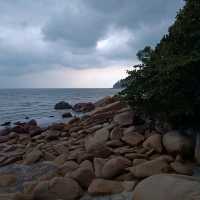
(6, 124)
(32, 122)
(23, 174)
(67, 115)
(160, 187)
(62, 105)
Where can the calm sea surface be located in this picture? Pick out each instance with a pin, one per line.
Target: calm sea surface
(18, 104)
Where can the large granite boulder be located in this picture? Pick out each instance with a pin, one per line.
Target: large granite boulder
(176, 143)
(168, 187)
(84, 107)
(154, 142)
(115, 166)
(149, 168)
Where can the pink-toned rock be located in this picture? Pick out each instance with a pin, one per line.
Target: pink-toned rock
(133, 139)
(116, 133)
(154, 142)
(98, 166)
(150, 168)
(68, 167)
(115, 167)
(124, 119)
(84, 174)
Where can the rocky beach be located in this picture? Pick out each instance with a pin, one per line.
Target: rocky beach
(108, 153)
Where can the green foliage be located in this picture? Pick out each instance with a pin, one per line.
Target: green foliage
(167, 83)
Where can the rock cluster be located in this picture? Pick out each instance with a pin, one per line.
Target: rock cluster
(108, 152)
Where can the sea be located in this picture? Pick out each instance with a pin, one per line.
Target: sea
(26, 104)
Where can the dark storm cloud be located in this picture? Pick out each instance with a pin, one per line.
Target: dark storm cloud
(39, 35)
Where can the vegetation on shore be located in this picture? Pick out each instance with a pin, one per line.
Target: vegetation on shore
(166, 85)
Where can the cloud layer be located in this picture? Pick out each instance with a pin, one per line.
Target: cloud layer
(49, 35)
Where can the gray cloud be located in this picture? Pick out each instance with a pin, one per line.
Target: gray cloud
(42, 35)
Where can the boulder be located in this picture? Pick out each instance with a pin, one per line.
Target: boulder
(168, 187)
(62, 105)
(98, 166)
(154, 142)
(105, 187)
(84, 174)
(51, 134)
(133, 139)
(115, 167)
(68, 167)
(66, 115)
(32, 157)
(176, 143)
(124, 119)
(116, 133)
(84, 107)
(57, 188)
(182, 168)
(150, 168)
(95, 144)
(105, 101)
(35, 130)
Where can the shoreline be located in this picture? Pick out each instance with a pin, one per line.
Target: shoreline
(109, 151)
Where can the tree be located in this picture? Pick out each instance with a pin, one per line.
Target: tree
(167, 83)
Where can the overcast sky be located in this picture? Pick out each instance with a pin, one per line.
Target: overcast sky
(77, 43)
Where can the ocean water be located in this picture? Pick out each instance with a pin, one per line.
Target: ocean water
(19, 104)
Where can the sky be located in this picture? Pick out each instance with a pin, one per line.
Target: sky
(77, 43)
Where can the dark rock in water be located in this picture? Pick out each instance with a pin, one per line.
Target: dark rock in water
(84, 107)
(6, 124)
(67, 115)
(51, 116)
(62, 105)
(26, 117)
(32, 123)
